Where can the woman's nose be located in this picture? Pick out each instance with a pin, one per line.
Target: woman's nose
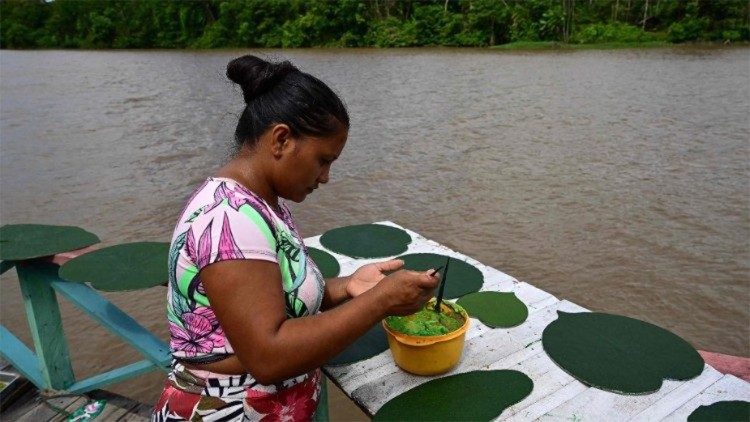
(324, 176)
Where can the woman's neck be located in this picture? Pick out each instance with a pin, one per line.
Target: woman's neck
(243, 170)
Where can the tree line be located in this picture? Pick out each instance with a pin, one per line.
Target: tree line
(363, 23)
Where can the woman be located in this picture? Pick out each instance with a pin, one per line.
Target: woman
(244, 298)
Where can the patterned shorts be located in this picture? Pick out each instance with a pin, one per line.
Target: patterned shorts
(191, 395)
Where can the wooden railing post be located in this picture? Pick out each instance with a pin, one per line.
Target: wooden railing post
(45, 323)
(321, 413)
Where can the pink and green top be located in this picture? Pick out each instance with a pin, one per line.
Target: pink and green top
(225, 221)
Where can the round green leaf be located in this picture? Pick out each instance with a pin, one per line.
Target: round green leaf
(27, 241)
(366, 241)
(462, 278)
(471, 396)
(370, 344)
(129, 266)
(495, 309)
(327, 264)
(722, 411)
(617, 353)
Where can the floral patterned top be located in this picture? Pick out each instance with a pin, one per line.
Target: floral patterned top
(222, 221)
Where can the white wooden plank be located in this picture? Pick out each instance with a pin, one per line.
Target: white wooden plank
(727, 388)
(548, 378)
(595, 404)
(533, 307)
(545, 374)
(495, 280)
(479, 353)
(532, 295)
(314, 242)
(348, 267)
(677, 397)
(542, 406)
(477, 329)
(351, 376)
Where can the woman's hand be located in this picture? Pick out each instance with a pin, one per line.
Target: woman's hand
(405, 292)
(367, 276)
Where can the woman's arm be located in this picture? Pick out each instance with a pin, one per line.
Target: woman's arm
(335, 292)
(249, 303)
(341, 289)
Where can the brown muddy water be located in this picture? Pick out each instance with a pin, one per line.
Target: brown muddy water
(618, 180)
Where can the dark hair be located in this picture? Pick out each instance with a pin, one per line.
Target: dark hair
(281, 93)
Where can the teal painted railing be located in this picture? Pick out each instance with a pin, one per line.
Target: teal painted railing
(48, 366)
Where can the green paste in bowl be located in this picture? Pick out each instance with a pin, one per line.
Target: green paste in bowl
(427, 322)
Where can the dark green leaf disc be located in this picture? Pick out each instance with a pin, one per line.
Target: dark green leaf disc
(722, 411)
(326, 263)
(27, 241)
(366, 241)
(462, 278)
(495, 309)
(129, 266)
(370, 344)
(617, 353)
(471, 396)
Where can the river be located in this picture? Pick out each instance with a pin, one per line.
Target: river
(618, 180)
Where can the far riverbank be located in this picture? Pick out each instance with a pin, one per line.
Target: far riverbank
(554, 45)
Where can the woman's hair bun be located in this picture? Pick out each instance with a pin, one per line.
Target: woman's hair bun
(257, 76)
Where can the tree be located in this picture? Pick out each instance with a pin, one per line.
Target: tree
(568, 13)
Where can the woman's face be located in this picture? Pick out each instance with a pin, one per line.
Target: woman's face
(307, 164)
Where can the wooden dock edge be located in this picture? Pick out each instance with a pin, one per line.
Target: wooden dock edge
(728, 364)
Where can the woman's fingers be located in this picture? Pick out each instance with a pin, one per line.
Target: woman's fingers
(391, 265)
(410, 290)
(428, 281)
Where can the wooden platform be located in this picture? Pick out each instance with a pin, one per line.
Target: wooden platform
(29, 405)
(556, 395)
(373, 382)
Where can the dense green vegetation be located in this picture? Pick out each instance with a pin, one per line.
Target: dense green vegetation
(359, 23)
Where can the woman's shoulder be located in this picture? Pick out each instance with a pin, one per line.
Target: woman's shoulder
(219, 195)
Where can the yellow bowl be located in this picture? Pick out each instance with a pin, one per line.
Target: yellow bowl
(427, 355)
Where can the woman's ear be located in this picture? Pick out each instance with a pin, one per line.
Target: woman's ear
(280, 140)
